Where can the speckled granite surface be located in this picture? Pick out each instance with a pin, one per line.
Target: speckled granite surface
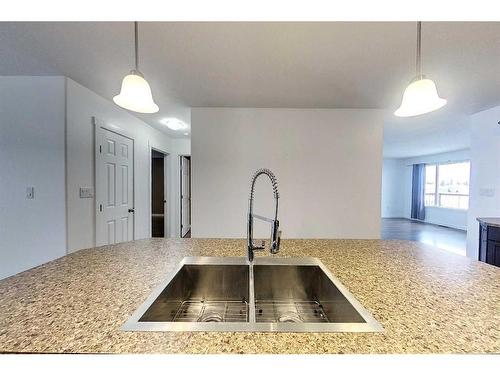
(426, 299)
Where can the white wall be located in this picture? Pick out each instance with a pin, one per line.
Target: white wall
(182, 146)
(82, 104)
(485, 173)
(397, 181)
(47, 141)
(32, 232)
(328, 163)
(394, 188)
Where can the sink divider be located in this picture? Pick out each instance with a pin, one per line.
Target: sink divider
(251, 293)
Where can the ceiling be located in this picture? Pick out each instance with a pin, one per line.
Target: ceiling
(299, 65)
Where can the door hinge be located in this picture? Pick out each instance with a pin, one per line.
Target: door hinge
(100, 149)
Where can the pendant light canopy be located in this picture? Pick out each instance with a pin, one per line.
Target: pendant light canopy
(135, 94)
(421, 94)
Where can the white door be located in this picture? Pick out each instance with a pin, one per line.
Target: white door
(114, 187)
(185, 196)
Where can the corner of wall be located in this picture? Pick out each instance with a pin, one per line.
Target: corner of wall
(66, 161)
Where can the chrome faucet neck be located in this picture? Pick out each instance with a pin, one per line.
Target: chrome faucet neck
(275, 232)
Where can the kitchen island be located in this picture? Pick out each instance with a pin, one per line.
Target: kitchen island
(427, 300)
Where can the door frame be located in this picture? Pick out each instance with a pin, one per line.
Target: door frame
(180, 192)
(98, 125)
(166, 190)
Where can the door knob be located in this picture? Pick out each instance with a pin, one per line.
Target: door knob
(131, 210)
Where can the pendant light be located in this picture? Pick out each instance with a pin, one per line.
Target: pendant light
(135, 94)
(421, 94)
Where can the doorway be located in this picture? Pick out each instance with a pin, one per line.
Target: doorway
(158, 194)
(185, 196)
(114, 185)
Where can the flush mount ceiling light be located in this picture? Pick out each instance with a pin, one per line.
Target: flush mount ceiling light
(421, 94)
(135, 94)
(174, 124)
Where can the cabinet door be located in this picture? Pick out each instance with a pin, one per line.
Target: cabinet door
(493, 233)
(493, 253)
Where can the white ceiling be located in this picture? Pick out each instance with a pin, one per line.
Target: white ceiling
(302, 65)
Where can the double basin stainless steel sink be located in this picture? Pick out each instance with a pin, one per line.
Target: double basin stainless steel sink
(271, 294)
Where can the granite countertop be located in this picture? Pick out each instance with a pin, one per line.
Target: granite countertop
(427, 300)
(493, 221)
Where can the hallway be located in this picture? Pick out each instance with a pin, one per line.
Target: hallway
(449, 239)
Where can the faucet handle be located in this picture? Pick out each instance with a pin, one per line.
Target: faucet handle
(276, 248)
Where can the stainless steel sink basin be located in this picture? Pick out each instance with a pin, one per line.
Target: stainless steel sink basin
(299, 293)
(203, 293)
(272, 294)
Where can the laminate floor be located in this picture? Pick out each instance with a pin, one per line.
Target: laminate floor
(449, 239)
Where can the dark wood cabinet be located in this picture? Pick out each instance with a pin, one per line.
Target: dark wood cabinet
(493, 253)
(489, 242)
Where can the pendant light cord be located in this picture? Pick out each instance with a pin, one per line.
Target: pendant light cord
(419, 49)
(136, 36)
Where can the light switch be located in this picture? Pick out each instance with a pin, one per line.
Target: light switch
(30, 192)
(86, 192)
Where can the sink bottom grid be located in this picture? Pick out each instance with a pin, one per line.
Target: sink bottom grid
(289, 311)
(212, 311)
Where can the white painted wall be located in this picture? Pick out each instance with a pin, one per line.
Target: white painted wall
(448, 217)
(47, 141)
(394, 188)
(328, 163)
(182, 146)
(485, 173)
(82, 104)
(397, 180)
(32, 232)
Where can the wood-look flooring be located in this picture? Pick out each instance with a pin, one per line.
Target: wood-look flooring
(450, 239)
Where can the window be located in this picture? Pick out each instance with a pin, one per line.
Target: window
(430, 185)
(447, 185)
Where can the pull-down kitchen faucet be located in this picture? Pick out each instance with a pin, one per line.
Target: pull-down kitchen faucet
(274, 246)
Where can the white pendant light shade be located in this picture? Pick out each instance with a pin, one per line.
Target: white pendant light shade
(420, 97)
(135, 95)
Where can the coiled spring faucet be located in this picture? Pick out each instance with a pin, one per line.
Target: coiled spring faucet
(274, 245)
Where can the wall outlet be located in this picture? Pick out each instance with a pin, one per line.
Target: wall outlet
(30, 192)
(487, 192)
(86, 192)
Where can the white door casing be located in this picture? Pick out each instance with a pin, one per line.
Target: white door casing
(166, 230)
(114, 185)
(185, 196)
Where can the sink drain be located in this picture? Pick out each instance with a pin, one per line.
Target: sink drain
(290, 317)
(211, 317)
